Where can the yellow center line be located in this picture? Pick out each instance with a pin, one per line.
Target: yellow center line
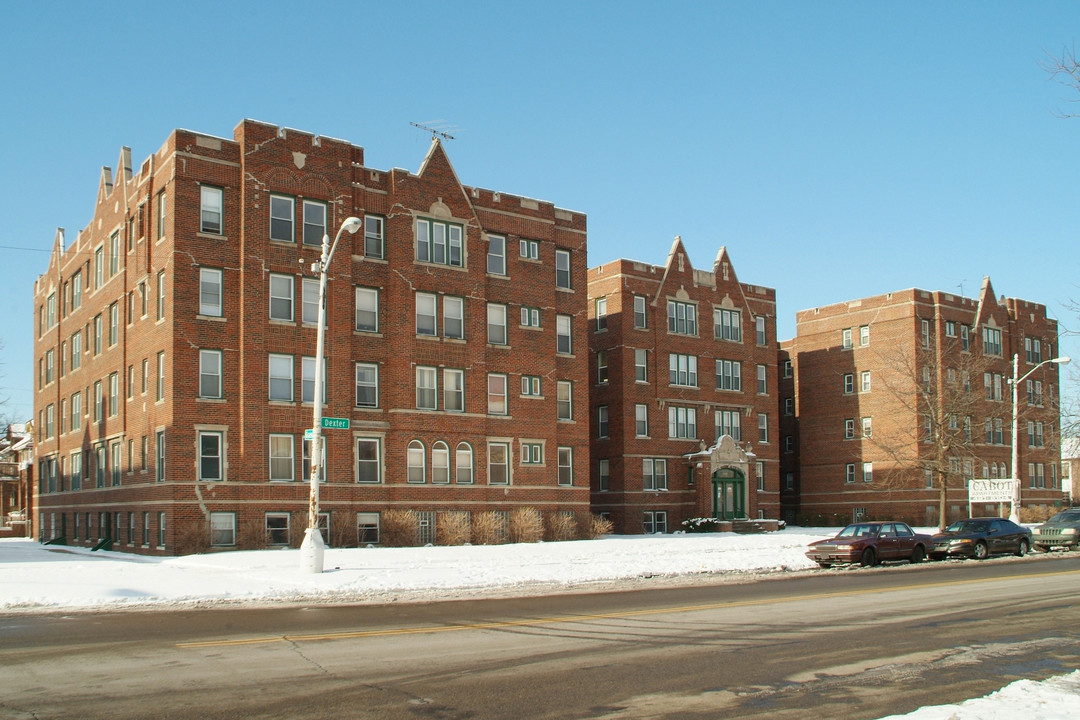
(351, 634)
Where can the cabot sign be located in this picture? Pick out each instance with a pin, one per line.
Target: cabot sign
(991, 491)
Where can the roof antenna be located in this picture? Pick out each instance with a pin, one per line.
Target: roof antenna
(433, 131)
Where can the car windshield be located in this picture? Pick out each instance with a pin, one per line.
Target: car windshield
(968, 526)
(859, 530)
(1067, 516)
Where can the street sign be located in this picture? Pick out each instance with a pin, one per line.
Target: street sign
(309, 434)
(335, 423)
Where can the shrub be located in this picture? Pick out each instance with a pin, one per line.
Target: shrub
(526, 525)
(452, 528)
(343, 534)
(701, 525)
(251, 535)
(562, 526)
(598, 526)
(399, 528)
(488, 528)
(1037, 513)
(192, 538)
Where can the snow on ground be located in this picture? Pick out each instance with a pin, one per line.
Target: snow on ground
(36, 577)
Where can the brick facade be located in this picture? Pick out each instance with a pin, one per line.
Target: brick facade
(864, 432)
(203, 255)
(672, 372)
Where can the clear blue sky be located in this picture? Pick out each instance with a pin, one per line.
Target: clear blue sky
(837, 149)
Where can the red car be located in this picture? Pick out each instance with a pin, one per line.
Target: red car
(868, 543)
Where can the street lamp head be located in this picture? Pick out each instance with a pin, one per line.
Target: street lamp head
(352, 224)
(1063, 360)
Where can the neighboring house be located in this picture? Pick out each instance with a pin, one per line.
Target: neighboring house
(880, 381)
(175, 343)
(16, 480)
(1070, 468)
(684, 396)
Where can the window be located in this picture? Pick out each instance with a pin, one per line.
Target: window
(640, 321)
(763, 427)
(566, 466)
(440, 463)
(868, 472)
(530, 316)
(496, 394)
(641, 420)
(281, 378)
(307, 380)
(759, 470)
(563, 342)
(76, 291)
(438, 242)
(531, 386)
(682, 317)
(114, 394)
(849, 428)
(682, 423)
(367, 528)
(453, 317)
(210, 456)
(305, 459)
(992, 341)
(965, 338)
(654, 473)
(314, 222)
(992, 386)
(564, 401)
(97, 334)
(99, 267)
(849, 473)
(281, 457)
(1035, 433)
(867, 427)
(145, 529)
(76, 411)
(161, 529)
(367, 309)
(211, 206)
(368, 460)
(496, 324)
(787, 368)
(602, 421)
(529, 249)
(374, 237)
(309, 301)
(101, 464)
(367, 384)
(1033, 350)
(762, 380)
(682, 370)
(864, 335)
(496, 255)
(789, 406)
(849, 383)
(729, 422)
(727, 324)
(605, 476)
(222, 529)
(114, 253)
(427, 391)
(209, 292)
(114, 323)
(925, 333)
(562, 269)
(640, 366)
(50, 419)
(425, 314)
(282, 217)
(602, 367)
(654, 522)
(277, 528)
(50, 365)
(950, 328)
(845, 338)
(728, 375)
(416, 460)
(50, 310)
(532, 453)
(281, 297)
(76, 474)
(210, 373)
(865, 384)
(453, 390)
(464, 464)
(498, 463)
(601, 314)
(759, 330)
(789, 444)
(99, 409)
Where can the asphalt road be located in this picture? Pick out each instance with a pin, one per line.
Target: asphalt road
(847, 643)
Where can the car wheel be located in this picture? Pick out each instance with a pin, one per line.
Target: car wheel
(981, 551)
(937, 558)
(1022, 548)
(869, 558)
(1040, 548)
(825, 565)
(918, 554)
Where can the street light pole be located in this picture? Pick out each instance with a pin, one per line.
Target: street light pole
(1014, 512)
(313, 547)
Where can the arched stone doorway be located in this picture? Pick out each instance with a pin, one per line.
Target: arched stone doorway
(728, 468)
(729, 494)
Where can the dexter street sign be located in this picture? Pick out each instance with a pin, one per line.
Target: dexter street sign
(335, 423)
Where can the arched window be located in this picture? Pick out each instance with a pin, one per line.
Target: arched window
(464, 464)
(440, 463)
(417, 469)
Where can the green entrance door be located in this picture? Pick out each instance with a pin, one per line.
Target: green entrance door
(729, 492)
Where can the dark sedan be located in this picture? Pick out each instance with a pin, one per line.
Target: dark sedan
(869, 543)
(980, 538)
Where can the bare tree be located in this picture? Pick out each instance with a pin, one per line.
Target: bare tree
(1065, 68)
(935, 393)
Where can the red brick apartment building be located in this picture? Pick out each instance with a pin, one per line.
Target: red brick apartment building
(175, 343)
(684, 394)
(881, 383)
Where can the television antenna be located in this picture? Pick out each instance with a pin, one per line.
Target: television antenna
(433, 131)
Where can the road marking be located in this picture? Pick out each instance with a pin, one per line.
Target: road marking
(352, 634)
